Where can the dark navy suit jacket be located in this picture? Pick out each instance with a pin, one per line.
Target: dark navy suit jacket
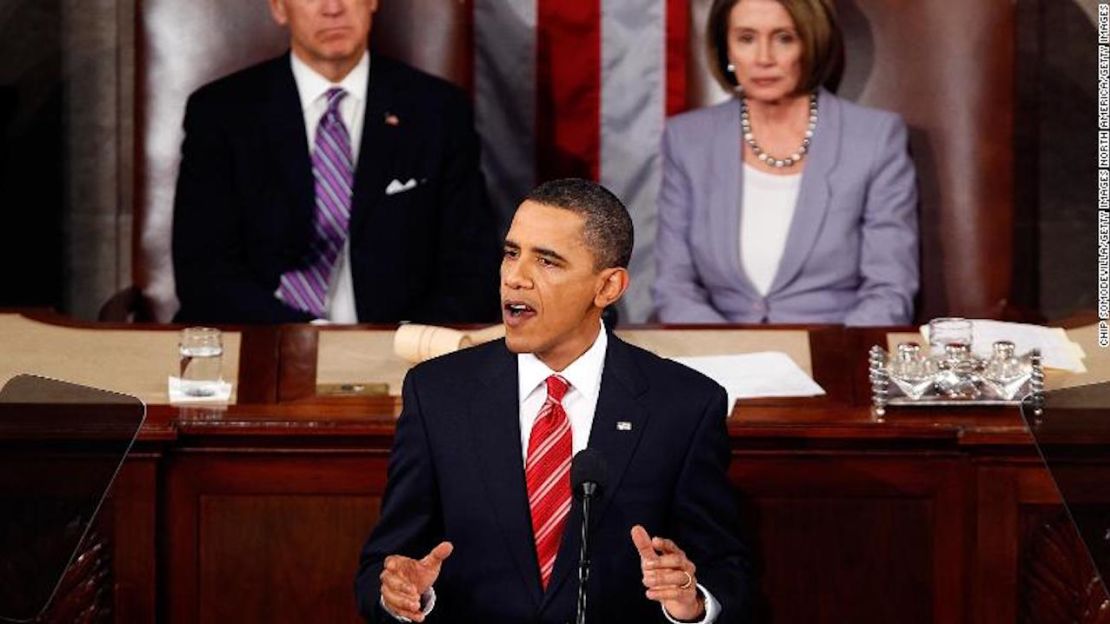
(456, 474)
(245, 201)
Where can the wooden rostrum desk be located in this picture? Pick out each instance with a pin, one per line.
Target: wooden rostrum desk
(256, 512)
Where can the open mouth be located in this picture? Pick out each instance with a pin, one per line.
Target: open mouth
(515, 312)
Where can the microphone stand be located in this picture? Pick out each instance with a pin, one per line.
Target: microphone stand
(589, 489)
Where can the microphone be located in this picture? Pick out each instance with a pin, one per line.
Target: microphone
(588, 478)
(588, 474)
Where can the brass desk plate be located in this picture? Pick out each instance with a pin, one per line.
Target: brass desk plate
(353, 389)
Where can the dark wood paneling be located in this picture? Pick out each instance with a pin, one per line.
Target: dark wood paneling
(280, 558)
(267, 536)
(297, 363)
(994, 580)
(860, 543)
(260, 364)
(133, 505)
(835, 528)
(1057, 581)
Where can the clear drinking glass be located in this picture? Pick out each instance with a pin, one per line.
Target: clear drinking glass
(948, 331)
(201, 351)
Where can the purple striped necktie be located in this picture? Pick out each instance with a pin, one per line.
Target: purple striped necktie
(306, 286)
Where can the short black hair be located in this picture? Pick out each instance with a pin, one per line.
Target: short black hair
(608, 227)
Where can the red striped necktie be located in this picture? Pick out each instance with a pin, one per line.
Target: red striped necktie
(547, 472)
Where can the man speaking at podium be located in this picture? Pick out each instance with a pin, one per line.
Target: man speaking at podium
(478, 522)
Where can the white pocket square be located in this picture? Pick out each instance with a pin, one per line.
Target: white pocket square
(397, 187)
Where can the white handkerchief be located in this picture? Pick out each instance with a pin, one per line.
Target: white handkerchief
(397, 187)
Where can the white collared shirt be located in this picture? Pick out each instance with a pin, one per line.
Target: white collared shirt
(312, 89)
(580, 402)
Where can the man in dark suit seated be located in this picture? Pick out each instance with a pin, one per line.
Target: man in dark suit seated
(477, 523)
(326, 184)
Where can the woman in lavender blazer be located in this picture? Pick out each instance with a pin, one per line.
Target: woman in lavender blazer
(830, 235)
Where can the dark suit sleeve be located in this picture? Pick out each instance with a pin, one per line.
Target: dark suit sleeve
(409, 523)
(214, 283)
(466, 269)
(706, 518)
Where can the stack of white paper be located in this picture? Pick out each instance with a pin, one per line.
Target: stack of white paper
(1056, 350)
(754, 375)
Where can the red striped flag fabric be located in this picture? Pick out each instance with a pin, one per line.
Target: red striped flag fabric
(581, 88)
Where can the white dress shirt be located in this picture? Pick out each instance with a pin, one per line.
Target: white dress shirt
(580, 404)
(766, 211)
(580, 401)
(312, 89)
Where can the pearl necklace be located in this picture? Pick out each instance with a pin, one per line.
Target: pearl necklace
(796, 157)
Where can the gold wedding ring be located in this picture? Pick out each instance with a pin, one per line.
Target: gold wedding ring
(689, 580)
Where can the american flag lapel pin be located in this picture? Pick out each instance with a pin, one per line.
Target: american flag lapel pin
(392, 120)
(624, 425)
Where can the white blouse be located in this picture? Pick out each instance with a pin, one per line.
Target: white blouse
(766, 209)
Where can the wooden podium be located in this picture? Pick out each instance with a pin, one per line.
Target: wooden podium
(256, 511)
